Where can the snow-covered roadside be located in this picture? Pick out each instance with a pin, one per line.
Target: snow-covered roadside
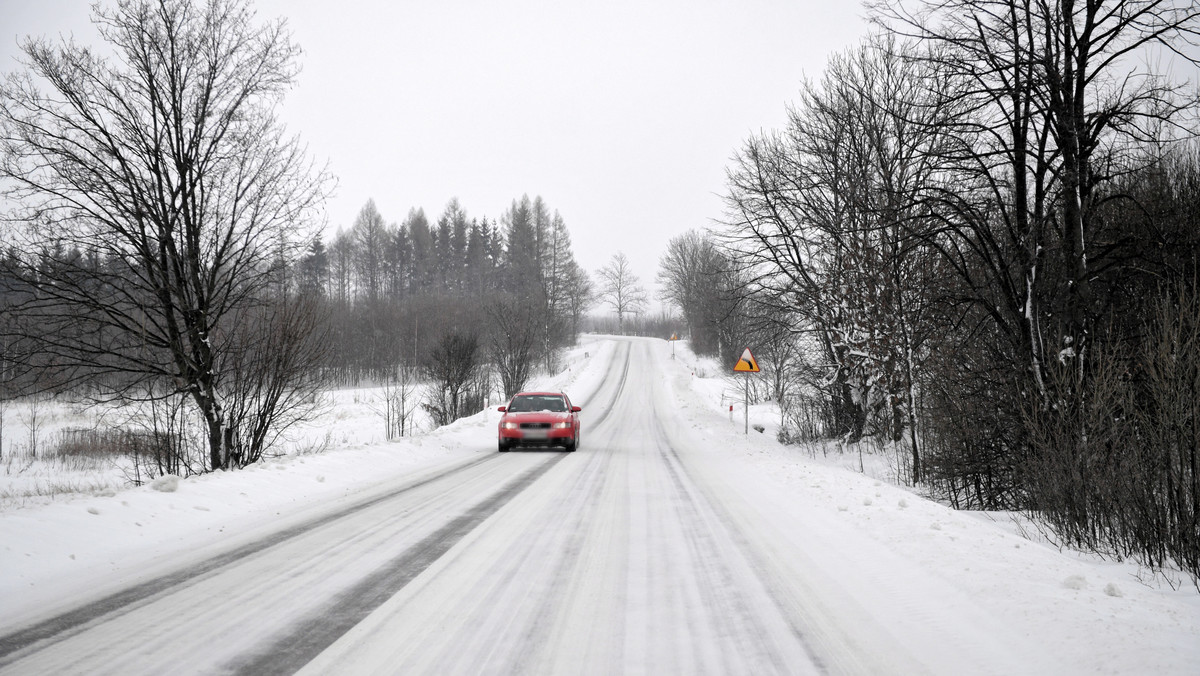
(1088, 616)
(1094, 616)
(62, 552)
(352, 419)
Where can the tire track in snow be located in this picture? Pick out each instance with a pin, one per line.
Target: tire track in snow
(590, 485)
(553, 552)
(831, 648)
(572, 528)
(47, 632)
(617, 391)
(720, 586)
(721, 566)
(305, 640)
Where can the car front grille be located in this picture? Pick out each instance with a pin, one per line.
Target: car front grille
(535, 426)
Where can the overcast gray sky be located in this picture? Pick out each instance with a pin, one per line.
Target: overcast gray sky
(621, 114)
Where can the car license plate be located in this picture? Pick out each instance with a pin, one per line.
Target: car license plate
(535, 434)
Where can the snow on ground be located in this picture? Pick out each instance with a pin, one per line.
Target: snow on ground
(61, 549)
(1094, 616)
(1099, 616)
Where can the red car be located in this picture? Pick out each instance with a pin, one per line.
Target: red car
(539, 419)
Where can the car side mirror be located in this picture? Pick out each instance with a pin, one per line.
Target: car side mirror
(502, 409)
(575, 409)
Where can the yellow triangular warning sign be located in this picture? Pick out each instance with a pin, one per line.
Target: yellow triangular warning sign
(747, 363)
(674, 336)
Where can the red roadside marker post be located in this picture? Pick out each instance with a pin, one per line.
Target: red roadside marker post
(746, 364)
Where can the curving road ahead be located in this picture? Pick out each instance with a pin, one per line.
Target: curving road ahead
(630, 555)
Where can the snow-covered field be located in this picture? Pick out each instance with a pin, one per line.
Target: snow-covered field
(826, 568)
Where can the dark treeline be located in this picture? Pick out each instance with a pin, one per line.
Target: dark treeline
(979, 229)
(397, 292)
(470, 307)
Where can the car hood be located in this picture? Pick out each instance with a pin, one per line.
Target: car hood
(536, 416)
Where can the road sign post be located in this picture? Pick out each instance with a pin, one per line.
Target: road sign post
(746, 364)
(674, 337)
(746, 404)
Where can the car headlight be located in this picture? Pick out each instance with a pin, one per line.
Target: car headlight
(508, 425)
(562, 425)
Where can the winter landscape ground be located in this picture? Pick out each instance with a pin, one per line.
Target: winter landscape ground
(671, 542)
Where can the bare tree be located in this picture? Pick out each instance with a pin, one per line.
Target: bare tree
(341, 267)
(580, 296)
(1049, 102)
(701, 280)
(514, 342)
(399, 399)
(1052, 98)
(33, 425)
(160, 190)
(370, 236)
(685, 276)
(453, 368)
(820, 216)
(619, 288)
(5, 389)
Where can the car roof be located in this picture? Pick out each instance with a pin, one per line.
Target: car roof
(540, 394)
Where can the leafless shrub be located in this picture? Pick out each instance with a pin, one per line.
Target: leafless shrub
(314, 447)
(1083, 452)
(1168, 508)
(33, 424)
(803, 419)
(1116, 471)
(92, 442)
(399, 400)
(971, 431)
(459, 385)
(165, 441)
(513, 343)
(274, 377)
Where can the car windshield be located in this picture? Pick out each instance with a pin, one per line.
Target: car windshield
(526, 404)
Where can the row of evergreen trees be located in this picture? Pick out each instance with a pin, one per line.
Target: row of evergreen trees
(384, 298)
(395, 292)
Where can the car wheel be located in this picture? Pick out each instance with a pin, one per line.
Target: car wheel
(503, 446)
(570, 445)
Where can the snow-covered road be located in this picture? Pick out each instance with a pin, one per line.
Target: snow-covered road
(652, 549)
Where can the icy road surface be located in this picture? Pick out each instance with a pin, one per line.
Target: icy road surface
(650, 550)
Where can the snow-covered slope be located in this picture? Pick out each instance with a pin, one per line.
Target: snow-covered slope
(666, 542)
(1082, 614)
